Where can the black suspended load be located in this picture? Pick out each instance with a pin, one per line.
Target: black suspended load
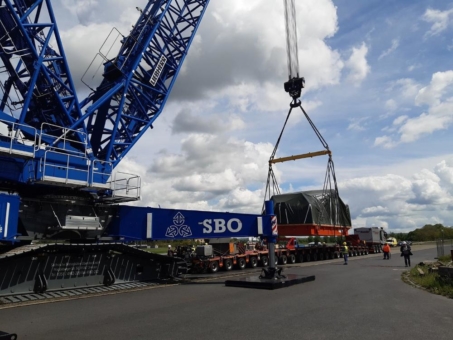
(319, 207)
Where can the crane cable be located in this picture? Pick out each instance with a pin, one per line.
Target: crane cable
(330, 186)
(294, 87)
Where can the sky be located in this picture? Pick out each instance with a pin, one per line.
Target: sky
(379, 83)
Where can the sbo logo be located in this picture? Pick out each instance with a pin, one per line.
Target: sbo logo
(233, 225)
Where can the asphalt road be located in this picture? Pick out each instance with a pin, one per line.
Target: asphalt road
(365, 299)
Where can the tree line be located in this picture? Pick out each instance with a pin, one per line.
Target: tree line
(429, 232)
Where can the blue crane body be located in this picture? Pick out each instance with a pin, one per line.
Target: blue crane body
(58, 155)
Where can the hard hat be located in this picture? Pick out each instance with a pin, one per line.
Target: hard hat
(344, 243)
(404, 242)
(169, 246)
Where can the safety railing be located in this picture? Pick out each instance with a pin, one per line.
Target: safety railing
(16, 142)
(125, 185)
(67, 138)
(101, 172)
(8, 37)
(61, 168)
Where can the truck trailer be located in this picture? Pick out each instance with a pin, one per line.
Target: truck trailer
(225, 254)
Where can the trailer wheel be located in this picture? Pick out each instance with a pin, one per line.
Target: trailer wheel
(321, 257)
(227, 264)
(366, 252)
(300, 258)
(253, 262)
(314, 256)
(283, 259)
(291, 258)
(307, 258)
(214, 266)
(241, 263)
(329, 255)
(264, 261)
(336, 255)
(277, 260)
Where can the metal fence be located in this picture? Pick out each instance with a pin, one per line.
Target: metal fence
(444, 247)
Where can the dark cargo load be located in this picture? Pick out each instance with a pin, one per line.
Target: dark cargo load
(316, 207)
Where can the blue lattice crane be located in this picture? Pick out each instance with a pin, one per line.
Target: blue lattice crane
(55, 150)
(79, 144)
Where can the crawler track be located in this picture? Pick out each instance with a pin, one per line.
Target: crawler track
(73, 294)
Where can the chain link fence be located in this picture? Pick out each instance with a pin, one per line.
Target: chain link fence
(444, 247)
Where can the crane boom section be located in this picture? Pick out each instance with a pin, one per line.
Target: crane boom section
(44, 135)
(137, 83)
(37, 90)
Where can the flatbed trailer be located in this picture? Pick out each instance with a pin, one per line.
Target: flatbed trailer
(288, 252)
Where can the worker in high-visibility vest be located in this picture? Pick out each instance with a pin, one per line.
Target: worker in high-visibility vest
(345, 251)
(386, 250)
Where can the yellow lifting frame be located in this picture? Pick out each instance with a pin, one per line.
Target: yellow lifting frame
(305, 155)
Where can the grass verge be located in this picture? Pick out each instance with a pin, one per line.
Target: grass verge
(431, 282)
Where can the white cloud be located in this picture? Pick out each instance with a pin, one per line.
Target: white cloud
(399, 202)
(434, 93)
(395, 44)
(437, 95)
(391, 105)
(440, 20)
(385, 141)
(358, 65)
(358, 124)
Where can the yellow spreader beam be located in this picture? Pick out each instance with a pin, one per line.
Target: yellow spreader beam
(305, 155)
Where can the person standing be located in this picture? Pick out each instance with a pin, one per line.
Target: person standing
(345, 251)
(170, 252)
(406, 252)
(386, 250)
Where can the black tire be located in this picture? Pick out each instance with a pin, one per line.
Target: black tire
(227, 264)
(283, 259)
(321, 257)
(336, 255)
(291, 258)
(307, 257)
(240, 263)
(213, 266)
(253, 262)
(277, 260)
(264, 261)
(314, 256)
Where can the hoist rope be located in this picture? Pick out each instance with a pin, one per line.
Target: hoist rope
(330, 187)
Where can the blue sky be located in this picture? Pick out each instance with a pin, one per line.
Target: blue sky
(378, 87)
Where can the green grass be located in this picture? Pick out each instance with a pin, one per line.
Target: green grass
(157, 250)
(445, 259)
(430, 281)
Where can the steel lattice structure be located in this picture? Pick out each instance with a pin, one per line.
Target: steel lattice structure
(42, 122)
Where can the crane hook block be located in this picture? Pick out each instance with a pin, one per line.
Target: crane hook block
(294, 87)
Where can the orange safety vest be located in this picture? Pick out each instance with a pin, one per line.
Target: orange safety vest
(386, 248)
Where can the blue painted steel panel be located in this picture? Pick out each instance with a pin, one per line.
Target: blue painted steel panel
(142, 223)
(9, 216)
